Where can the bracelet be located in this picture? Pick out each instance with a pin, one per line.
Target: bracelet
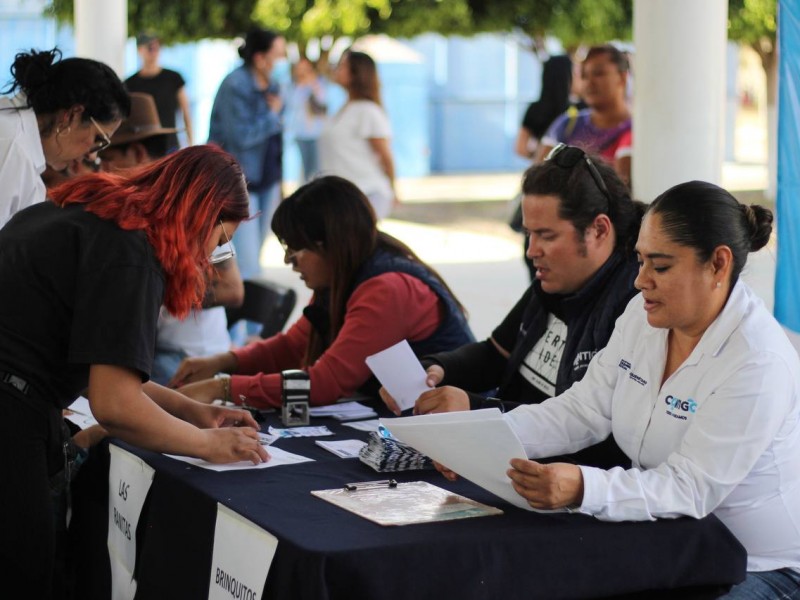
(226, 386)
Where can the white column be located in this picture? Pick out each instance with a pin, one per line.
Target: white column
(679, 99)
(101, 30)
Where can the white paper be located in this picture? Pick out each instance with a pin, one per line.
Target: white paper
(343, 448)
(80, 413)
(400, 372)
(242, 556)
(294, 432)
(129, 480)
(347, 411)
(278, 457)
(477, 445)
(368, 426)
(123, 585)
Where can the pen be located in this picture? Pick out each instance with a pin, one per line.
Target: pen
(369, 485)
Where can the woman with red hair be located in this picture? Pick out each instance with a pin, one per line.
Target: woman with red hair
(83, 278)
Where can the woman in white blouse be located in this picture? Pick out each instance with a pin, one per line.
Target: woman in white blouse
(355, 143)
(701, 389)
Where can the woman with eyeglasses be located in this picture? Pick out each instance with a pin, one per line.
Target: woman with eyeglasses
(370, 292)
(701, 389)
(64, 110)
(84, 277)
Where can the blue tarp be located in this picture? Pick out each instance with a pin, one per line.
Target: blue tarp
(787, 276)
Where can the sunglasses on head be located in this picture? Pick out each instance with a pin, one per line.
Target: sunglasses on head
(567, 157)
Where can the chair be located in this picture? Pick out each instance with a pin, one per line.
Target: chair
(265, 302)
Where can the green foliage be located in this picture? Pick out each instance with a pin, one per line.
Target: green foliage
(177, 20)
(753, 22)
(574, 21)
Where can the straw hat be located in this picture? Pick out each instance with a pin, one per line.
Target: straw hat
(142, 123)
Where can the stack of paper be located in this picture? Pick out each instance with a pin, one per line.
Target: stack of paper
(386, 454)
(348, 411)
(477, 445)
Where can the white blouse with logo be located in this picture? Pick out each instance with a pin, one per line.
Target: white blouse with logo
(721, 435)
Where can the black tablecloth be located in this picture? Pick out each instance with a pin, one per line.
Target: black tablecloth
(325, 552)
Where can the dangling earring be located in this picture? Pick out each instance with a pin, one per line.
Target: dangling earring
(719, 284)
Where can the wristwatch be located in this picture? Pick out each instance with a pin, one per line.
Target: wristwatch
(493, 403)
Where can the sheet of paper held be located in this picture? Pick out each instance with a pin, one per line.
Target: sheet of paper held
(476, 444)
(277, 458)
(400, 372)
(80, 413)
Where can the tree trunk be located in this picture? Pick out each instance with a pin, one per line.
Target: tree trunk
(768, 52)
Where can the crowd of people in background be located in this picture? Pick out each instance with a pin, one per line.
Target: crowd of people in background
(116, 266)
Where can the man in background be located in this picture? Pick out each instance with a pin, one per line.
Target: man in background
(140, 140)
(167, 87)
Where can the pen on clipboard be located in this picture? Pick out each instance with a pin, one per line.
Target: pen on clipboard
(370, 485)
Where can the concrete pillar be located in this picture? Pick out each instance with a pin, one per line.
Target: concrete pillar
(101, 31)
(679, 99)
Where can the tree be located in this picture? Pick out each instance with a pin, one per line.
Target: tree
(177, 20)
(755, 23)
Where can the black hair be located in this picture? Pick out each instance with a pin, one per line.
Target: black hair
(331, 215)
(703, 216)
(52, 84)
(256, 40)
(615, 55)
(554, 98)
(582, 200)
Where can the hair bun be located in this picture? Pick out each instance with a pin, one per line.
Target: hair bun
(759, 225)
(31, 70)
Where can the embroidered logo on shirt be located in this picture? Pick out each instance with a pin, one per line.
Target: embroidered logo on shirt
(680, 409)
(624, 364)
(637, 379)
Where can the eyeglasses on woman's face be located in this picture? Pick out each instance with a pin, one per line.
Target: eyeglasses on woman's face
(567, 157)
(104, 140)
(228, 253)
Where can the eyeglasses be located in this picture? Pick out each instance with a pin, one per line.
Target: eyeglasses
(104, 143)
(288, 253)
(568, 156)
(229, 253)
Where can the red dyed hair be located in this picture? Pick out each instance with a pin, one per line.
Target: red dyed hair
(176, 201)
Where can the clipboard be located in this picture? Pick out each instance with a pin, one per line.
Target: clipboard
(391, 503)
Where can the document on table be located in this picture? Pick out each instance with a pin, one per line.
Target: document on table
(476, 444)
(400, 372)
(388, 503)
(277, 458)
(342, 448)
(347, 411)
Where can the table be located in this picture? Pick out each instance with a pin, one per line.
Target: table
(327, 553)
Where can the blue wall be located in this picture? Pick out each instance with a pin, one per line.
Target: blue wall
(455, 110)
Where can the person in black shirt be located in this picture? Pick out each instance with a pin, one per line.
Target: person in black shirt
(83, 278)
(583, 225)
(167, 87)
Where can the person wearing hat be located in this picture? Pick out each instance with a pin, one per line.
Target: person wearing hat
(167, 87)
(140, 140)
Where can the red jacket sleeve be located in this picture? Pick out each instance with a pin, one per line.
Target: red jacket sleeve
(381, 312)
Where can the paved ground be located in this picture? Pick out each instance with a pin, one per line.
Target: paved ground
(457, 223)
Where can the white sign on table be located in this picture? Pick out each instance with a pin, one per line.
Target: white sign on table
(243, 554)
(129, 480)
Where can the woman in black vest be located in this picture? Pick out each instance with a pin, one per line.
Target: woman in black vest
(370, 292)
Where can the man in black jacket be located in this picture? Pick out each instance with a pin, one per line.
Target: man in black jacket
(583, 227)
